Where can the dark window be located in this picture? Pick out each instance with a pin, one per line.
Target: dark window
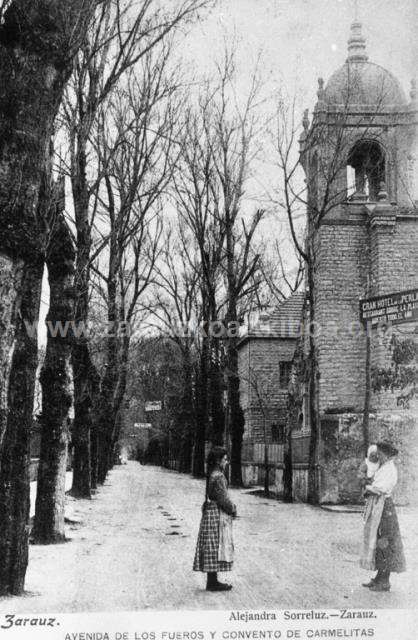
(366, 164)
(285, 371)
(277, 433)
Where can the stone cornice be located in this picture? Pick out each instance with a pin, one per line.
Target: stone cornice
(382, 220)
(354, 214)
(361, 222)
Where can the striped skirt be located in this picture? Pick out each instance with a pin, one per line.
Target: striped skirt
(207, 548)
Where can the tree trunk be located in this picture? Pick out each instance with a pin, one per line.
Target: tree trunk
(112, 395)
(237, 421)
(37, 43)
(94, 432)
(367, 394)
(108, 385)
(217, 412)
(186, 416)
(287, 465)
(202, 411)
(83, 367)
(185, 460)
(266, 462)
(215, 380)
(11, 276)
(94, 455)
(15, 453)
(313, 467)
(106, 425)
(236, 416)
(295, 408)
(119, 394)
(56, 386)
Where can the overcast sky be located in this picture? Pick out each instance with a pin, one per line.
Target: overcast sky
(304, 39)
(301, 40)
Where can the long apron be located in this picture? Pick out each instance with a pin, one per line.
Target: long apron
(372, 516)
(207, 549)
(382, 543)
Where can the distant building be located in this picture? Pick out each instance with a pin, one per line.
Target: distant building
(265, 354)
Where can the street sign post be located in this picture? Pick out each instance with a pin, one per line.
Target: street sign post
(153, 405)
(390, 308)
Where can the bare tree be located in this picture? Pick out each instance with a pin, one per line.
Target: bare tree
(209, 186)
(176, 310)
(120, 37)
(135, 144)
(233, 151)
(38, 41)
(280, 279)
(55, 376)
(197, 199)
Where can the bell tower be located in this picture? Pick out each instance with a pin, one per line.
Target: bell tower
(359, 154)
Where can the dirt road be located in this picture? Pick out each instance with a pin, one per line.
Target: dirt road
(135, 546)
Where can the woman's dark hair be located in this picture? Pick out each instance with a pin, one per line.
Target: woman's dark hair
(387, 448)
(214, 457)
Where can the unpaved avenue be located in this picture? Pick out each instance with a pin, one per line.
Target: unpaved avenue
(135, 551)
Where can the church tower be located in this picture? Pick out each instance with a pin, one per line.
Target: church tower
(360, 159)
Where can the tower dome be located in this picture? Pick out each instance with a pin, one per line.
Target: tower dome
(360, 82)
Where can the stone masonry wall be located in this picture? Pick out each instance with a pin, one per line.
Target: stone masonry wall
(259, 361)
(340, 282)
(394, 267)
(342, 452)
(391, 246)
(394, 258)
(243, 369)
(398, 260)
(342, 279)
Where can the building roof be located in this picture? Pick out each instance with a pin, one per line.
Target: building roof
(282, 322)
(360, 82)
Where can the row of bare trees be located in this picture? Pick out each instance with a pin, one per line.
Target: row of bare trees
(129, 192)
(134, 189)
(216, 240)
(96, 78)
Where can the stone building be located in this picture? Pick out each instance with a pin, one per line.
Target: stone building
(359, 155)
(265, 354)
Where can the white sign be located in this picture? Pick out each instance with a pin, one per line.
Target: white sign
(153, 405)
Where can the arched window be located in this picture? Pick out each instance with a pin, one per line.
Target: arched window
(366, 169)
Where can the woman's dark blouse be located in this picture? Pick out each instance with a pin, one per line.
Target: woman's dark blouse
(218, 492)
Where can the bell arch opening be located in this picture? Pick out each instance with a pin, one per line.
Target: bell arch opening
(366, 169)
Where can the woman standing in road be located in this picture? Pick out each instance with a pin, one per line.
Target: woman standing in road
(214, 550)
(383, 549)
